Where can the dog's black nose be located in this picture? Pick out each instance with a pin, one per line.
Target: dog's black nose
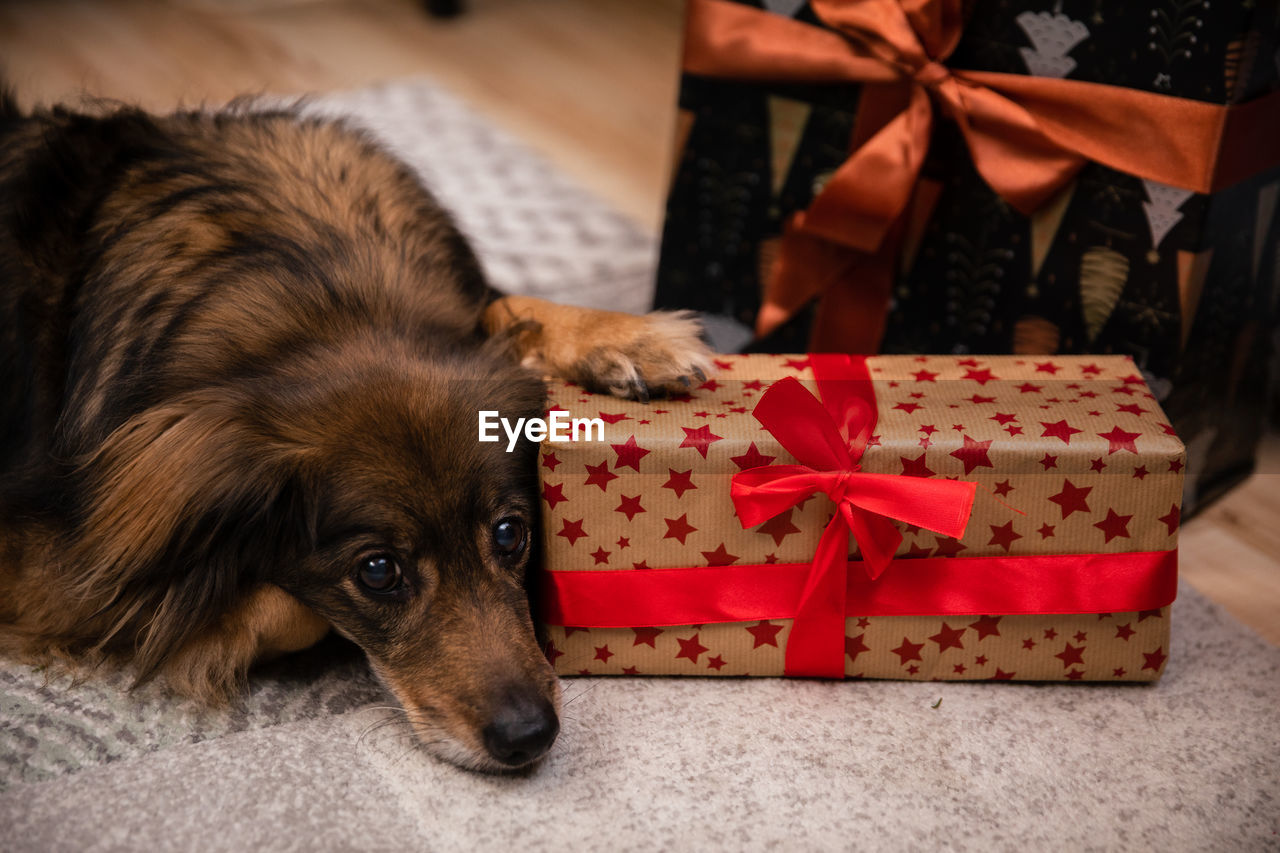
(523, 728)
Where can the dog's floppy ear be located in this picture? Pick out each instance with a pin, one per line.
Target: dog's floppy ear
(185, 503)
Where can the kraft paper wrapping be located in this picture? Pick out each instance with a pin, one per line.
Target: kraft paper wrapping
(1071, 455)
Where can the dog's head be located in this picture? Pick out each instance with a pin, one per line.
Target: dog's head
(353, 480)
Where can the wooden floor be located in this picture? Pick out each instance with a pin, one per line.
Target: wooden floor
(591, 83)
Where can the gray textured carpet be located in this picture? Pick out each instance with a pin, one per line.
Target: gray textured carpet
(313, 761)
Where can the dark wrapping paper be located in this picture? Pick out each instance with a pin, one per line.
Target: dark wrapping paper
(1185, 284)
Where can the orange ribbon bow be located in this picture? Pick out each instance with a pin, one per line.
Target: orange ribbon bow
(1027, 136)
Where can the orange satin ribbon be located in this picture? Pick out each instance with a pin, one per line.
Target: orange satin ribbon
(1027, 136)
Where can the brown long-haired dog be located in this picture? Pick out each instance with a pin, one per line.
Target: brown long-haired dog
(241, 360)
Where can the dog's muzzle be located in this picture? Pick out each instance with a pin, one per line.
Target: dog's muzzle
(523, 727)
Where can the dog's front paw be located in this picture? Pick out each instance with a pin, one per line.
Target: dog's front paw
(623, 354)
(642, 356)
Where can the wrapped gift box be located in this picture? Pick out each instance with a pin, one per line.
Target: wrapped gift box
(1184, 282)
(677, 545)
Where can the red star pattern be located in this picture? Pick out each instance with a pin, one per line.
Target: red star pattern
(679, 528)
(549, 461)
(630, 507)
(600, 555)
(973, 454)
(1004, 536)
(600, 475)
(1071, 655)
(1114, 525)
(779, 527)
(982, 377)
(1003, 488)
(700, 439)
(1120, 440)
(753, 458)
(987, 626)
(854, 646)
(948, 638)
(1049, 462)
(553, 494)
(1154, 660)
(925, 376)
(765, 634)
(917, 551)
(690, 648)
(629, 454)
(908, 651)
(1059, 429)
(646, 637)
(720, 557)
(1072, 499)
(1045, 531)
(679, 481)
(716, 663)
(603, 653)
(572, 530)
(1171, 519)
(916, 467)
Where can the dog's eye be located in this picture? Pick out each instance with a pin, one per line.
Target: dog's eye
(509, 536)
(380, 573)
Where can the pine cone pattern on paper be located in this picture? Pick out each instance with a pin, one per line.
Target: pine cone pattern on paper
(1070, 454)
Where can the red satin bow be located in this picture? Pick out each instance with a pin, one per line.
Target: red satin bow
(829, 439)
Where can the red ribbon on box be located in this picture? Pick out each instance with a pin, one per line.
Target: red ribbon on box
(829, 438)
(1027, 135)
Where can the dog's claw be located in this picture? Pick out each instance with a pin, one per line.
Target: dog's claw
(641, 390)
(698, 372)
(686, 382)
